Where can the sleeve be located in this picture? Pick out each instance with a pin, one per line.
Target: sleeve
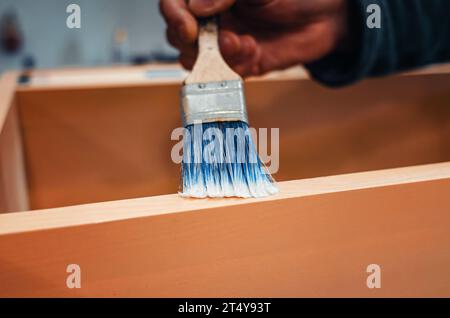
(413, 33)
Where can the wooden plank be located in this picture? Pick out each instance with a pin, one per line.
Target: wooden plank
(86, 146)
(13, 187)
(142, 207)
(104, 77)
(99, 144)
(316, 238)
(8, 86)
(129, 76)
(157, 74)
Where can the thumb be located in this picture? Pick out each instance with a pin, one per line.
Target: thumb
(205, 8)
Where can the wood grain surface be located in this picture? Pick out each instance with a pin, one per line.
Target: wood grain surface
(96, 144)
(305, 243)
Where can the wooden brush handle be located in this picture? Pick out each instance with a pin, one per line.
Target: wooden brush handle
(210, 65)
(208, 34)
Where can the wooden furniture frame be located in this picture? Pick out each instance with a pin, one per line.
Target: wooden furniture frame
(86, 178)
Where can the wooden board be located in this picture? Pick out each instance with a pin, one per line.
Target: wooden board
(94, 143)
(83, 142)
(13, 184)
(316, 238)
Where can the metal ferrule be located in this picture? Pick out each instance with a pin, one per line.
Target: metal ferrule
(214, 101)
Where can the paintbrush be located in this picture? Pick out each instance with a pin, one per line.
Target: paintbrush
(219, 155)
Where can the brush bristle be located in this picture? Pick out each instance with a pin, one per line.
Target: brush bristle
(220, 160)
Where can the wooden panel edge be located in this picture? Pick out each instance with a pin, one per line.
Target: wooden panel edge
(13, 183)
(144, 207)
(8, 84)
(316, 246)
(134, 76)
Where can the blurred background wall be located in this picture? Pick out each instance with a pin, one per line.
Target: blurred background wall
(112, 31)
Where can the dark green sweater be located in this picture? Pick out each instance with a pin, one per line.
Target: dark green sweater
(413, 33)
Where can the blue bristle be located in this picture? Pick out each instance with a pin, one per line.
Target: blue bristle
(223, 167)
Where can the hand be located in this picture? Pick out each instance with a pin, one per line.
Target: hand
(258, 36)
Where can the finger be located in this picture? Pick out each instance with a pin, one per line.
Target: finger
(247, 68)
(245, 49)
(248, 46)
(178, 18)
(187, 61)
(245, 61)
(205, 8)
(230, 43)
(188, 52)
(184, 48)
